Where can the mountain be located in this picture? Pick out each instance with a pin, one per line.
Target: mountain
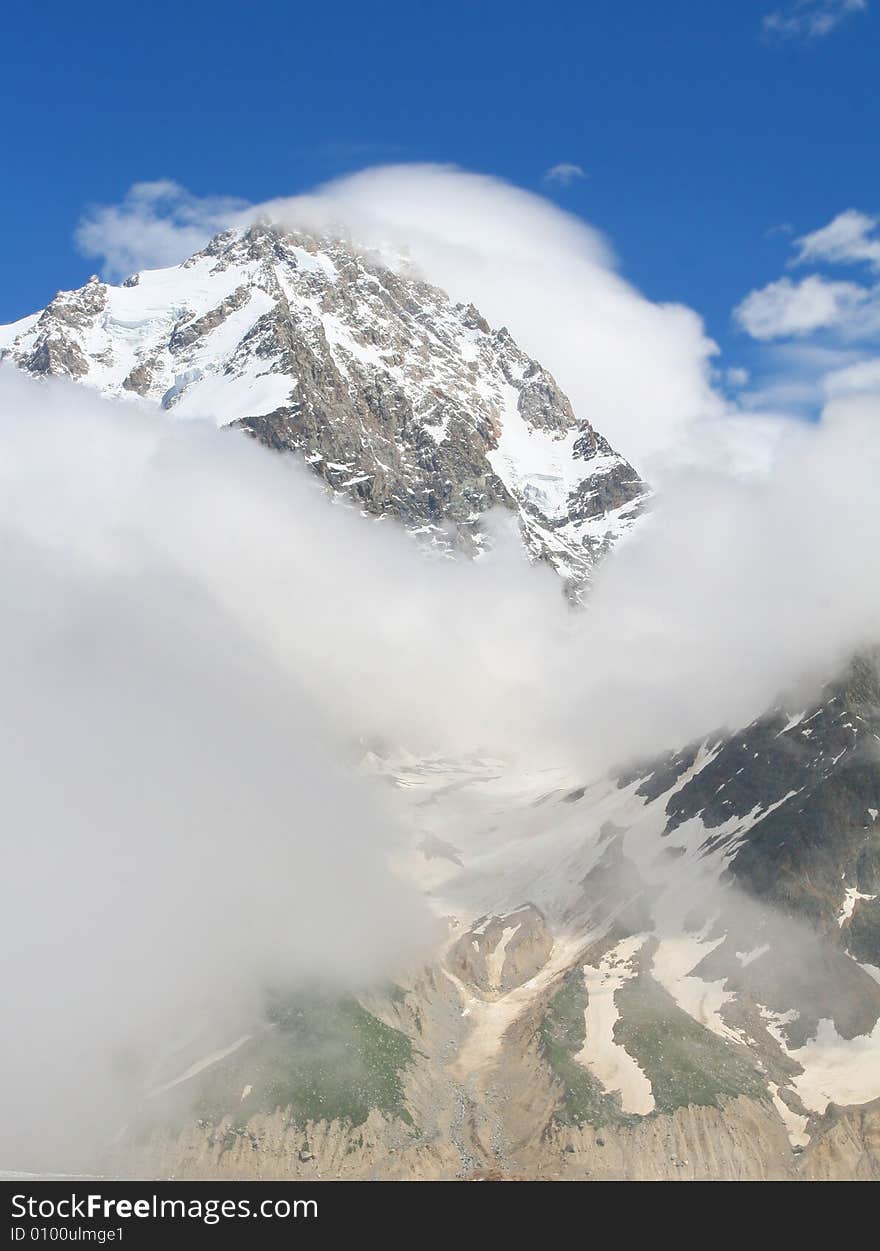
(671, 971)
(410, 404)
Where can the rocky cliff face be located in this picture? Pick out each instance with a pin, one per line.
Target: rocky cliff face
(792, 802)
(499, 953)
(411, 405)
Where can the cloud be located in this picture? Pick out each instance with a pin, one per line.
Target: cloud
(737, 588)
(822, 327)
(146, 558)
(158, 223)
(784, 308)
(564, 173)
(811, 19)
(861, 378)
(182, 820)
(638, 370)
(851, 238)
(737, 376)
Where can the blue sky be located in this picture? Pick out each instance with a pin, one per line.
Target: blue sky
(711, 132)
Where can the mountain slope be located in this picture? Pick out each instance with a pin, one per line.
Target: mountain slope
(410, 404)
(620, 994)
(792, 802)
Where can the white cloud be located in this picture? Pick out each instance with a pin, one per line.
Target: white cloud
(850, 238)
(784, 308)
(186, 690)
(791, 374)
(811, 19)
(158, 223)
(737, 376)
(739, 588)
(824, 329)
(563, 173)
(164, 537)
(639, 371)
(859, 379)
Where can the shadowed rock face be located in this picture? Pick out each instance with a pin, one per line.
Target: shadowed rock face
(409, 404)
(807, 783)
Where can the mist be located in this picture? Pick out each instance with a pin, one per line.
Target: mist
(182, 822)
(738, 592)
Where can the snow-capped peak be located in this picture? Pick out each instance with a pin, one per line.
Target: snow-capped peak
(410, 403)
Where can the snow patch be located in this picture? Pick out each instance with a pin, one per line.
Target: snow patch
(851, 897)
(838, 1070)
(611, 1063)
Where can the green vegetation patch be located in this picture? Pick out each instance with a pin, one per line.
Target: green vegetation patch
(323, 1059)
(562, 1036)
(685, 1062)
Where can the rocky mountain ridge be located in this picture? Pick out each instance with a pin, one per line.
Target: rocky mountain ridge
(409, 404)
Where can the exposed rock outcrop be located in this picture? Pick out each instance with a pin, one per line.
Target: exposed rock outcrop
(500, 953)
